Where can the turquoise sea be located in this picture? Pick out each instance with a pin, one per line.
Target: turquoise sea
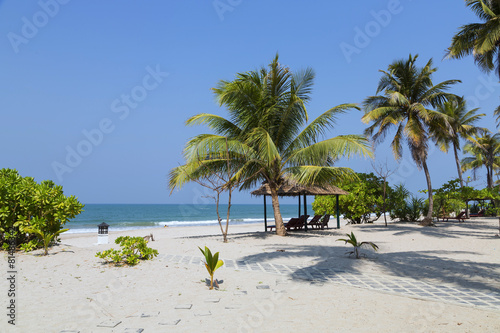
(138, 216)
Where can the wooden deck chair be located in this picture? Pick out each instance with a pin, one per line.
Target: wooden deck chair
(460, 217)
(315, 221)
(296, 223)
(324, 221)
(478, 214)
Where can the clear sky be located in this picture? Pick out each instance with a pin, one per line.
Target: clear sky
(94, 94)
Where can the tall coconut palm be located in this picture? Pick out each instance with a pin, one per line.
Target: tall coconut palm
(457, 123)
(266, 137)
(482, 40)
(485, 151)
(407, 93)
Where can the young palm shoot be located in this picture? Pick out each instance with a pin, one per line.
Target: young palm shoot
(357, 245)
(211, 263)
(45, 236)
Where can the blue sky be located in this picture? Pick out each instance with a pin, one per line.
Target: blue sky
(95, 94)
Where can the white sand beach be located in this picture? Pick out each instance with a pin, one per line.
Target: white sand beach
(73, 291)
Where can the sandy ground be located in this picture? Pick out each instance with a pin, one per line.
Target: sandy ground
(73, 290)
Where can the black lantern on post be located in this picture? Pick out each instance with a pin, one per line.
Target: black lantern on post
(102, 233)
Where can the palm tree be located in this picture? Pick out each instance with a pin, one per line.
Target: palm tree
(485, 151)
(482, 40)
(266, 137)
(408, 91)
(457, 123)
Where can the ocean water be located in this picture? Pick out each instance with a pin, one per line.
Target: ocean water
(138, 216)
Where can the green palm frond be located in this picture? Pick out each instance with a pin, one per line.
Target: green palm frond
(479, 39)
(319, 175)
(216, 123)
(319, 126)
(267, 136)
(320, 153)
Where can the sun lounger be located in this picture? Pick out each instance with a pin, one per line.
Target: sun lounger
(324, 221)
(294, 222)
(321, 222)
(478, 214)
(460, 217)
(315, 221)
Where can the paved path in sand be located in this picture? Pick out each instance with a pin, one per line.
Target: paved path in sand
(401, 286)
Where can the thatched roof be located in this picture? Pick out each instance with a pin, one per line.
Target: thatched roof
(293, 190)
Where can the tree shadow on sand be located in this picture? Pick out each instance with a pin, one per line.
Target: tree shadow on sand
(431, 266)
(477, 229)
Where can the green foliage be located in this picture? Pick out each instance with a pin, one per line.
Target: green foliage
(351, 239)
(474, 209)
(365, 197)
(132, 250)
(450, 198)
(267, 136)
(212, 263)
(485, 152)
(33, 214)
(479, 39)
(405, 206)
(492, 211)
(44, 235)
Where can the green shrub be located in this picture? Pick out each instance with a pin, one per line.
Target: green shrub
(364, 199)
(132, 250)
(492, 211)
(406, 207)
(30, 212)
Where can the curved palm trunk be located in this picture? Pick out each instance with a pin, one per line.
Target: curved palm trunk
(427, 221)
(459, 169)
(489, 176)
(280, 227)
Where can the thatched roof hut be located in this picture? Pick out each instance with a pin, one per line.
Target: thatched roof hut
(289, 189)
(293, 190)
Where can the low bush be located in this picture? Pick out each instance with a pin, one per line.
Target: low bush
(132, 250)
(33, 214)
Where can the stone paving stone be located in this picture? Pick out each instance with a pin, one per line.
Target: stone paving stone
(133, 330)
(229, 263)
(203, 314)
(109, 323)
(283, 281)
(254, 266)
(169, 322)
(66, 331)
(242, 265)
(233, 306)
(400, 285)
(263, 286)
(150, 314)
(212, 300)
(184, 306)
(240, 292)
